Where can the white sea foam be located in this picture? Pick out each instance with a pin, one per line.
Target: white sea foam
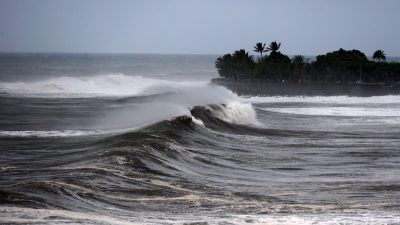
(301, 219)
(387, 99)
(52, 216)
(181, 97)
(197, 121)
(237, 112)
(376, 106)
(64, 133)
(50, 133)
(338, 111)
(12, 215)
(94, 86)
(181, 101)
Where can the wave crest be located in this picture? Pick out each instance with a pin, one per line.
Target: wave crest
(94, 86)
(234, 112)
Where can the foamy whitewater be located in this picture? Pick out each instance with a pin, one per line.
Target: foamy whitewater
(147, 139)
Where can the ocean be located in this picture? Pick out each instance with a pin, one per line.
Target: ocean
(148, 139)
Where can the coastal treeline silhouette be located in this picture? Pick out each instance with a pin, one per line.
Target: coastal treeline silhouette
(338, 67)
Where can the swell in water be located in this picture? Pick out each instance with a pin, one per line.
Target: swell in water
(116, 149)
(111, 85)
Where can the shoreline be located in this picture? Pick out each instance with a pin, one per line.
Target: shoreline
(270, 88)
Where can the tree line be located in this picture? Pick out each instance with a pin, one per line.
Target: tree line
(339, 67)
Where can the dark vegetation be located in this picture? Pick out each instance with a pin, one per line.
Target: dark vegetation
(338, 67)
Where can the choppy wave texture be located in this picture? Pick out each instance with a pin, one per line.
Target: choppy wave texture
(93, 86)
(117, 149)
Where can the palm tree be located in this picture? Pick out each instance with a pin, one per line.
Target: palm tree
(243, 62)
(298, 60)
(260, 47)
(379, 55)
(240, 54)
(274, 46)
(224, 66)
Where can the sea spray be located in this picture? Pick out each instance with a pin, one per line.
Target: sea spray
(131, 101)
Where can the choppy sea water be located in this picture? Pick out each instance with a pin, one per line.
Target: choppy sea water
(146, 139)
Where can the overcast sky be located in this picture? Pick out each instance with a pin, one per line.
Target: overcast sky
(307, 27)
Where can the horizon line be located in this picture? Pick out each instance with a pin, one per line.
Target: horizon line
(104, 53)
(142, 53)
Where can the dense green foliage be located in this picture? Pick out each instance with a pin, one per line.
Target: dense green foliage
(260, 47)
(379, 55)
(236, 66)
(340, 67)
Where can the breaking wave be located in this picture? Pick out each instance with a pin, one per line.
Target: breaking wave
(236, 113)
(387, 99)
(111, 85)
(136, 102)
(339, 111)
(151, 151)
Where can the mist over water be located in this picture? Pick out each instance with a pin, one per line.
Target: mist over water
(34, 67)
(146, 139)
